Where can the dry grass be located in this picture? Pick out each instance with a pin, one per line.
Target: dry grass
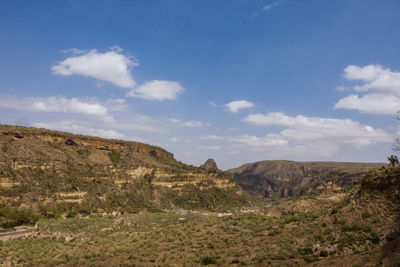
(330, 232)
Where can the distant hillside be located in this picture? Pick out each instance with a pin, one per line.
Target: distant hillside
(55, 172)
(280, 179)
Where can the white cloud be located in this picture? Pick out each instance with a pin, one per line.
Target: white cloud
(235, 106)
(176, 139)
(321, 136)
(212, 137)
(212, 104)
(135, 125)
(192, 123)
(264, 8)
(189, 123)
(210, 147)
(174, 121)
(371, 103)
(157, 90)
(268, 7)
(260, 143)
(111, 66)
(232, 129)
(57, 104)
(74, 51)
(375, 78)
(72, 127)
(116, 104)
(73, 105)
(269, 119)
(382, 84)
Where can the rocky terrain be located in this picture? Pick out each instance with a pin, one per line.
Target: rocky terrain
(72, 200)
(360, 227)
(210, 165)
(53, 172)
(281, 179)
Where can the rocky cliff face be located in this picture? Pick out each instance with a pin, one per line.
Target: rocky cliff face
(281, 179)
(44, 169)
(210, 165)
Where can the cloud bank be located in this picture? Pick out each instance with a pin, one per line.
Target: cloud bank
(382, 88)
(320, 136)
(57, 104)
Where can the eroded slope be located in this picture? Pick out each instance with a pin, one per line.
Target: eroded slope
(279, 179)
(49, 171)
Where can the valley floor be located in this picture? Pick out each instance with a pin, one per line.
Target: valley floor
(328, 230)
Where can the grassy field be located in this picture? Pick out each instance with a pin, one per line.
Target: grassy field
(324, 231)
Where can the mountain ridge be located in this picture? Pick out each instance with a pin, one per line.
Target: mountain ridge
(283, 178)
(55, 172)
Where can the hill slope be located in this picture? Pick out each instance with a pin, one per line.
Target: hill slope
(48, 171)
(278, 178)
(356, 228)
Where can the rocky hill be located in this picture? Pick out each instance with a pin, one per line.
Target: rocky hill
(281, 179)
(210, 165)
(55, 172)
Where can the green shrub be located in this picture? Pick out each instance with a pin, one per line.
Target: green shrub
(83, 152)
(208, 260)
(114, 156)
(10, 217)
(323, 253)
(375, 239)
(334, 210)
(310, 258)
(356, 226)
(346, 240)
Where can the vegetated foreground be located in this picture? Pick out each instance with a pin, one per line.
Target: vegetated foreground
(355, 229)
(143, 208)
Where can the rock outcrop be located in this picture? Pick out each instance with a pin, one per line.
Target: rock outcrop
(210, 165)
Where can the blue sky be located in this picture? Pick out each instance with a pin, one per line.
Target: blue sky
(238, 81)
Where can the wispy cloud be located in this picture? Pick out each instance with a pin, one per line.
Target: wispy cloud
(73, 127)
(264, 8)
(177, 139)
(212, 137)
(210, 147)
(192, 123)
(59, 104)
(174, 121)
(189, 123)
(157, 90)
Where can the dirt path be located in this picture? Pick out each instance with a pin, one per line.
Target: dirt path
(18, 231)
